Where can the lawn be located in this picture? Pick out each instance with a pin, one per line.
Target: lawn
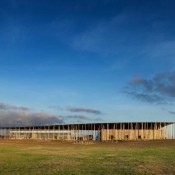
(25, 157)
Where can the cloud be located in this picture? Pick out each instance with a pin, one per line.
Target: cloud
(81, 109)
(16, 116)
(150, 98)
(22, 116)
(77, 109)
(4, 106)
(81, 118)
(9, 119)
(171, 112)
(159, 89)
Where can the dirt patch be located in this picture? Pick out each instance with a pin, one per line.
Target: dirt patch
(61, 163)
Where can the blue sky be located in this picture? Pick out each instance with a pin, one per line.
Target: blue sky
(86, 61)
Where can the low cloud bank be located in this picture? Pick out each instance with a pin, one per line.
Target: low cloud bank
(13, 116)
(16, 116)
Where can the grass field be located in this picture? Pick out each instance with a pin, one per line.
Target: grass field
(24, 157)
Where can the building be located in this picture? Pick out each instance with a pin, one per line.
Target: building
(94, 131)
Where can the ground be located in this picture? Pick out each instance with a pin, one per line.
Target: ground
(25, 157)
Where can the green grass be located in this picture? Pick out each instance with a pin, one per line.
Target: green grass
(47, 158)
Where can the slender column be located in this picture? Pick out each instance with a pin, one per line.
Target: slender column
(47, 132)
(147, 130)
(142, 132)
(115, 135)
(53, 133)
(153, 125)
(82, 135)
(59, 132)
(159, 131)
(32, 132)
(130, 131)
(152, 131)
(107, 132)
(156, 131)
(85, 132)
(63, 130)
(69, 133)
(121, 131)
(166, 131)
(123, 127)
(100, 132)
(136, 131)
(94, 133)
(16, 133)
(172, 131)
(78, 132)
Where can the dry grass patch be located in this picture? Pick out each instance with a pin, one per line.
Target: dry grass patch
(56, 157)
